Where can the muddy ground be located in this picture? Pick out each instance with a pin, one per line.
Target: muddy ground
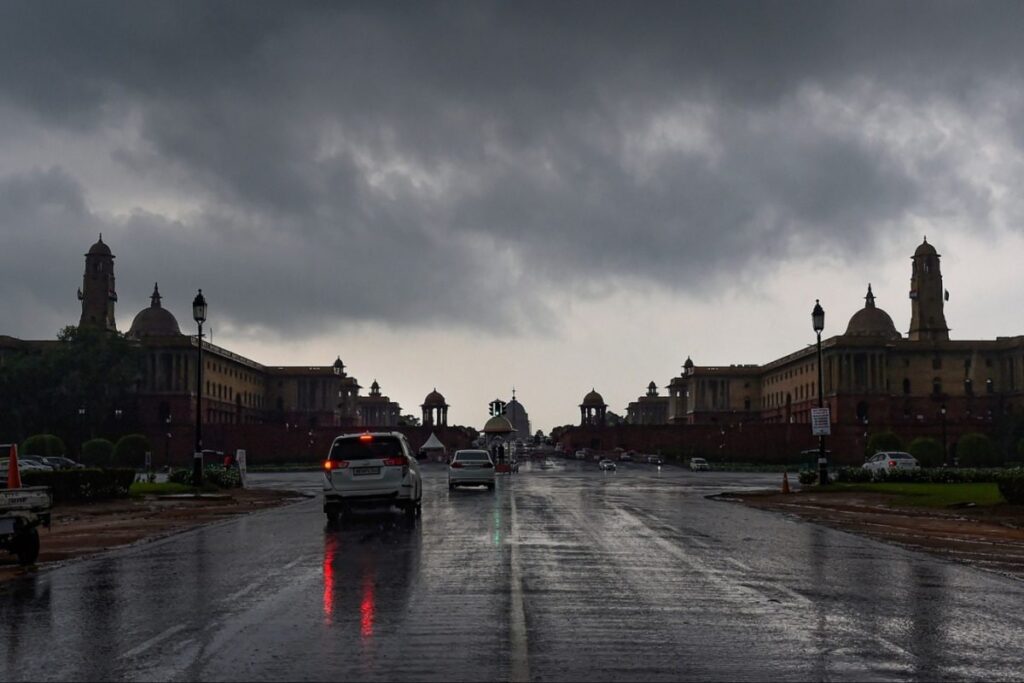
(83, 529)
(986, 537)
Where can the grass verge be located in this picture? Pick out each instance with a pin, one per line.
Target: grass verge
(142, 488)
(928, 495)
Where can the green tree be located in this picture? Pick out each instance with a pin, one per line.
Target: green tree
(130, 451)
(927, 451)
(43, 444)
(977, 450)
(97, 453)
(883, 441)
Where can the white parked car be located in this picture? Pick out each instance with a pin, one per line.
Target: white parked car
(471, 468)
(371, 470)
(699, 464)
(885, 461)
(607, 465)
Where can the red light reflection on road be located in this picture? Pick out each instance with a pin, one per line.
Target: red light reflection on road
(367, 607)
(330, 548)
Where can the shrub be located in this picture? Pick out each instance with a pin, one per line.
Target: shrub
(42, 444)
(222, 477)
(1011, 485)
(883, 441)
(97, 453)
(808, 477)
(928, 451)
(130, 451)
(977, 450)
(849, 475)
(82, 485)
(180, 476)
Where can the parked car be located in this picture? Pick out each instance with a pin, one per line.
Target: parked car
(27, 463)
(59, 462)
(626, 457)
(471, 467)
(37, 461)
(606, 465)
(884, 461)
(581, 454)
(371, 470)
(699, 465)
(655, 460)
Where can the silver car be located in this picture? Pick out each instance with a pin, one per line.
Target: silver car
(471, 467)
(371, 470)
(885, 461)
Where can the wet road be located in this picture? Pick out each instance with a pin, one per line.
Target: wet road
(562, 574)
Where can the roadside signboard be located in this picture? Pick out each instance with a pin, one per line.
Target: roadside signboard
(821, 422)
(240, 459)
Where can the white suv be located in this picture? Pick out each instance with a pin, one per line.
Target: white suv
(371, 470)
(891, 460)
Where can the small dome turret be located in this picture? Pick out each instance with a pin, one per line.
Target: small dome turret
(593, 399)
(434, 398)
(925, 249)
(100, 248)
(871, 321)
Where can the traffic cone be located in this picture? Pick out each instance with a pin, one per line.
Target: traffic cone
(13, 473)
(785, 482)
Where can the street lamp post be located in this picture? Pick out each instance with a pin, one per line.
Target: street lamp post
(818, 320)
(199, 315)
(81, 430)
(945, 451)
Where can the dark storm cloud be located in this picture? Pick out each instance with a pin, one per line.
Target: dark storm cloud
(412, 163)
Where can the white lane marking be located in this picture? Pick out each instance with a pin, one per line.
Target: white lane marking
(255, 584)
(520, 658)
(136, 651)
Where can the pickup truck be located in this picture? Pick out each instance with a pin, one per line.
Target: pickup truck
(21, 511)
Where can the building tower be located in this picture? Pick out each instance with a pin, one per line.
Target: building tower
(98, 293)
(927, 321)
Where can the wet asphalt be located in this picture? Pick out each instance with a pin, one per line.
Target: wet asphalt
(560, 574)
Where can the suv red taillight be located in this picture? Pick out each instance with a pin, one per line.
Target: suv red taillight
(892, 463)
(394, 462)
(335, 464)
(456, 464)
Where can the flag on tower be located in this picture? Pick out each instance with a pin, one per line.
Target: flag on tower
(947, 295)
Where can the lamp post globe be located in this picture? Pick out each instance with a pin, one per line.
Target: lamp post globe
(818, 322)
(199, 315)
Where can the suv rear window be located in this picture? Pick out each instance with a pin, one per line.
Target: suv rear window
(356, 448)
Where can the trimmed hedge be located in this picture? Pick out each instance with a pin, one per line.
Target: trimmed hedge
(977, 450)
(130, 451)
(1011, 485)
(97, 453)
(83, 485)
(46, 445)
(933, 475)
(927, 451)
(217, 475)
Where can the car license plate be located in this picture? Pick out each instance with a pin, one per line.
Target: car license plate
(7, 526)
(365, 470)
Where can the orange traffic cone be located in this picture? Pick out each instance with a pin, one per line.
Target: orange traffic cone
(785, 482)
(13, 473)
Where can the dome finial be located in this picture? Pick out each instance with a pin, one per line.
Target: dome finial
(869, 298)
(154, 299)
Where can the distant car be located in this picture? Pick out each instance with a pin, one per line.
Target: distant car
(31, 463)
(891, 460)
(699, 465)
(626, 457)
(61, 463)
(581, 454)
(655, 460)
(471, 468)
(371, 470)
(606, 465)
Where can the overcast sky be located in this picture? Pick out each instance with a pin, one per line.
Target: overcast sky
(477, 195)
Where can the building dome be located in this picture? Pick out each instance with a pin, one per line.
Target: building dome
(925, 249)
(154, 321)
(100, 248)
(688, 365)
(593, 399)
(434, 398)
(871, 321)
(498, 424)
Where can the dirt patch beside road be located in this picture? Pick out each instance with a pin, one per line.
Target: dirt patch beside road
(86, 529)
(987, 537)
